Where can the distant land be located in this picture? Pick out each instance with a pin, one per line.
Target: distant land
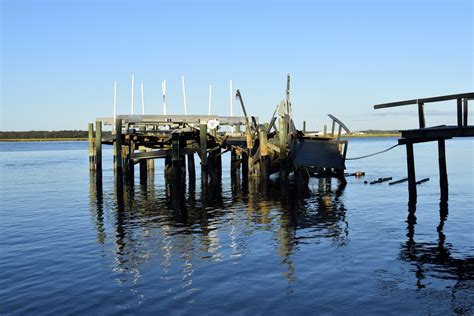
(77, 135)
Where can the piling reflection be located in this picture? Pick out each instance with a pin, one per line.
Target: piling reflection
(178, 226)
(437, 259)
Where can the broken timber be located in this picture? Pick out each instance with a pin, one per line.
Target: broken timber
(259, 151)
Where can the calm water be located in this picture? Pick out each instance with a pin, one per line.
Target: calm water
(70, 247)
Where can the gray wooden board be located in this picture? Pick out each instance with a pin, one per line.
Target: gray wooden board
(316, 153)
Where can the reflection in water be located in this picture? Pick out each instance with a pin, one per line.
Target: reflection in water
(181, 227)
(437, 260)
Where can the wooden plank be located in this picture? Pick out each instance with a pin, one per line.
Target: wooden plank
(425, 100)
(398, 181)
(338, 121)
(436, 133)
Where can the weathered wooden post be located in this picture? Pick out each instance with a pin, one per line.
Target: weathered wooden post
(443, 174)
(234, 163)
(175, 156)
(459, 112)
(325, 130)
(465, 111)
(91, 147)
(421, 114)
(98, 145)
(264, 159)
(118, 146)
(411, 172)
(131, 163)
(304, 126)
(143, 162)
(191, 164)
(250, 159)
(283, 135)
(203, 151)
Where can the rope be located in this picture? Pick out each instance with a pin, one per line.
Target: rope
(377, 153)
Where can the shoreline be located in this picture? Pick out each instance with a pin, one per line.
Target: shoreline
(26, 140)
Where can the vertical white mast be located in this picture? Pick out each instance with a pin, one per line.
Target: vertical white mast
(115, 102)
(231, 99)
(163, 90)
(133, 92)
(143, 99)
(210, 98)
(184, 96)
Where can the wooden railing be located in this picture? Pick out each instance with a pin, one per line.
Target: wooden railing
(462, 106)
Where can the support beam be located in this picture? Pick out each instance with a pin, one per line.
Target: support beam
(411, 173)
(443, 174)
(91, 147)
(98, 145)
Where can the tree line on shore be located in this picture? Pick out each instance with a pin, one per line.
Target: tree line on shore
(46, 134)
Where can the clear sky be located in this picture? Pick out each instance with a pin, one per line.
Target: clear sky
(59, 59)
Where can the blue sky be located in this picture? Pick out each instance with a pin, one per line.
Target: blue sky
(59, 59)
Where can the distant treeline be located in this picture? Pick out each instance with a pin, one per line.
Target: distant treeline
(377, 131)
(45, 134)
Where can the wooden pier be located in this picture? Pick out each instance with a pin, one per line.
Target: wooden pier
(433, 133)
(257, 150)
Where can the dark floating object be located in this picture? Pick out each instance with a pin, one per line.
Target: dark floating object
(380, 180)
(423, 180)
(356, 174)
(398, 181)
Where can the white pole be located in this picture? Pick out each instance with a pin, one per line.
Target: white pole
(115, 102)
(184, 97)
(163, 90)
(133, 92)
(231, 99)
(143, 99)
(210, 98)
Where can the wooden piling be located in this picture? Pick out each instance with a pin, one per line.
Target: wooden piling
(283, 135)
(443, 174)
(250, 160)
(175, 156)
(234, 163)
(91, 147)
(465, 112)
(143, 162)
(411, 172)
(264, 159)
(325, 130)
(304, 126)
(421, 114)
(203, 150)
(98, 145)
(118, 145)
(459, 112)
(191, 167)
